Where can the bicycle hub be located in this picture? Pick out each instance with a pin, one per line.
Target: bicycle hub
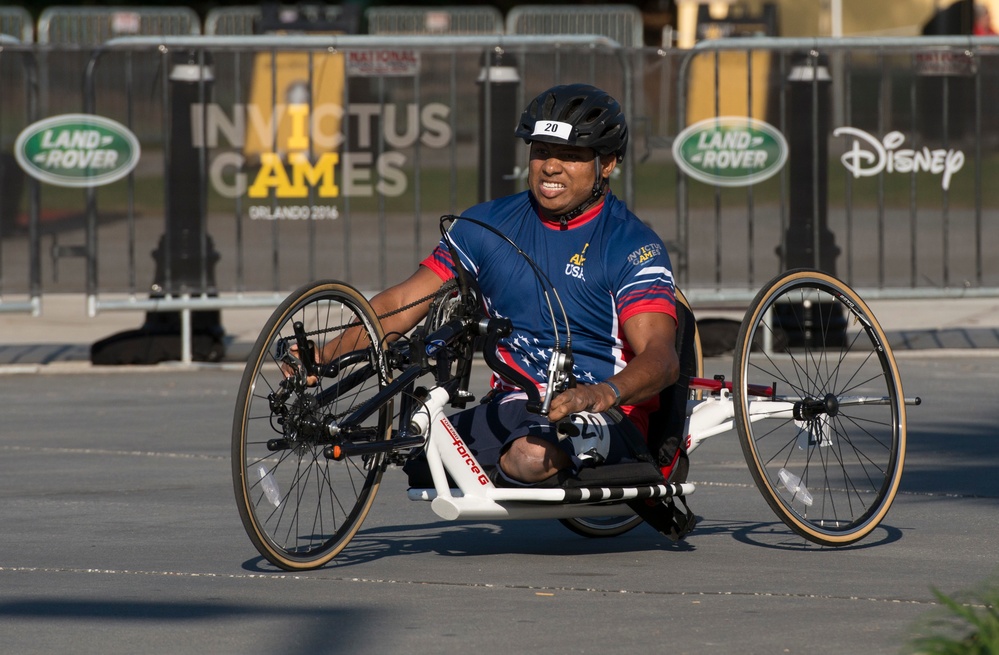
(810, 408)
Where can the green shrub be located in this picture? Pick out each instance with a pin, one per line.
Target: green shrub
(968, 624)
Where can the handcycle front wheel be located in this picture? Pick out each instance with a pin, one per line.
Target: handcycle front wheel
(830, 467)
(299, 508)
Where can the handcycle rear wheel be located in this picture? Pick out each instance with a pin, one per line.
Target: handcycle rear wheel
(599, 527)
(613, 526)
(831, 470)
(299, 508)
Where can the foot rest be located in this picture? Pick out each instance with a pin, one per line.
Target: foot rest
(627, 474)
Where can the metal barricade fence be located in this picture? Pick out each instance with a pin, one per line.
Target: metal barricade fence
(620, 23)
(394, 131)
(434, 20)
(20, 262)
(244, 20)
(310, 157)
(90, 26)
(392, 144)
(889, 142)
(16, 22)
(58, 65)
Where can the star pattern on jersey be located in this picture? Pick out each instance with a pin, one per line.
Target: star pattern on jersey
(530, 352)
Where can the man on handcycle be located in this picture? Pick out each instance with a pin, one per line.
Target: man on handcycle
(612, 274)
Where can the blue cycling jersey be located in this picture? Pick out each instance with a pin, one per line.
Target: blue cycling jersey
(606, 265)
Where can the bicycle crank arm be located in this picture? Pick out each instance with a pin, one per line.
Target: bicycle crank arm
(347, 449)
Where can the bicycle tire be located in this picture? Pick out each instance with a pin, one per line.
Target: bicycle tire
(612, 526)
(315, 505)
(602, 527)
(831, 473)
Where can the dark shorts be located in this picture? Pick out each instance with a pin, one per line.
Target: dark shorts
(488, 430)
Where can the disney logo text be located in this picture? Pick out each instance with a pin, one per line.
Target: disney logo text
(887, 156)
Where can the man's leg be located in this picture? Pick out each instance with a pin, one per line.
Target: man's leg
(532, 459)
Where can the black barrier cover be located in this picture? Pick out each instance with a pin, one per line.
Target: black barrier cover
(11, 188)
(186, 255)
(808, 241)
(498, 85)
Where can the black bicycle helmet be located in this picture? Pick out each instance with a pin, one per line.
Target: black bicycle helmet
(578, 115)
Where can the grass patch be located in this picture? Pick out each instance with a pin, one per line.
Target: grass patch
(968, 624)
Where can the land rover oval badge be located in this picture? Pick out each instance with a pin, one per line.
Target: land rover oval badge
(77, 150)
(730, 150)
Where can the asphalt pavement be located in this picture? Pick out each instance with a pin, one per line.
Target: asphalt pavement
(121, 535)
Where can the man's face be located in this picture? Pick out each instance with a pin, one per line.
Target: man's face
(561, 177)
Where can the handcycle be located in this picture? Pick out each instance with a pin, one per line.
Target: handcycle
(815, 398)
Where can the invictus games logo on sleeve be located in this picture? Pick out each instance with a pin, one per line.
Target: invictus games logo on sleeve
(77, 150)
(644, 254)
(730, 151)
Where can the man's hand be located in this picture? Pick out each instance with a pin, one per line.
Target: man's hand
(653, 367)
(289, 368)
(582, 398)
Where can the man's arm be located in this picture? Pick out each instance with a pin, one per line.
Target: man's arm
(420, 284)
(652, 337)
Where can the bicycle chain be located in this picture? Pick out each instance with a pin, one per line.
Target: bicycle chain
(447, 287)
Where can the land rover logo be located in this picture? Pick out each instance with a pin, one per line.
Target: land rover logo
(730, 151)
(77, 150)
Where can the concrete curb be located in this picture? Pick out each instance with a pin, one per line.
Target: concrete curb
(63, 333)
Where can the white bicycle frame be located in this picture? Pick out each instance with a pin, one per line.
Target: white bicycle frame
(477, 498)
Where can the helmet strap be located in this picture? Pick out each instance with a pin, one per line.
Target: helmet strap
(600, 185)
